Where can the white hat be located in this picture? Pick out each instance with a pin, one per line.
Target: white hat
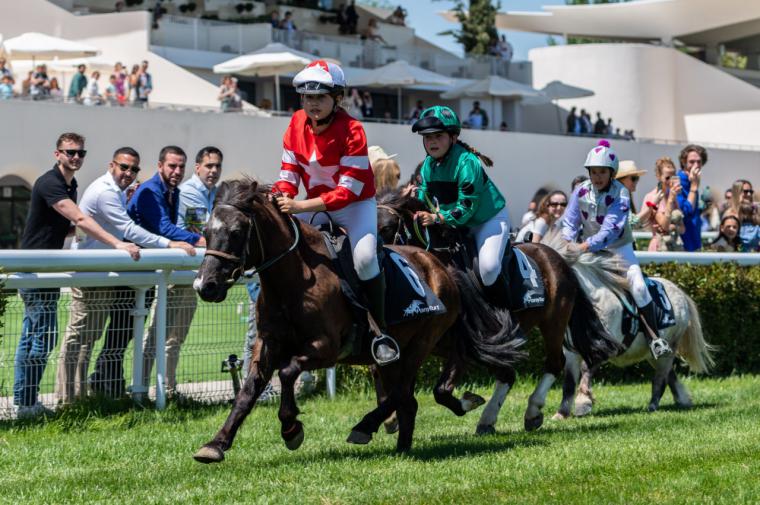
(319, 77)
(377, 153)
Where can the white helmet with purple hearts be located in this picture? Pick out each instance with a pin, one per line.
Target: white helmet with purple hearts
(603, 156)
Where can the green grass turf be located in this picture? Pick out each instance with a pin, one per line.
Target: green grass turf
(619, 454)
(218, 330)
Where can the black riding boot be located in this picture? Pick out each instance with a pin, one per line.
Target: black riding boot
(384, 348)
(657, 345)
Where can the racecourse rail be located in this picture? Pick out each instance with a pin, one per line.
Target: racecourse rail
(160, 268)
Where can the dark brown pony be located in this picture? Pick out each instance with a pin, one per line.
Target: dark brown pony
(566, 307)
(303, 318)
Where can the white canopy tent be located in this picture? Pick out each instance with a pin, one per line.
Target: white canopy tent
(34, 46)
(399, 74)
(273, 59)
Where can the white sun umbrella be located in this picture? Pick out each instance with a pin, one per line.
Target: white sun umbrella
(102, 65)
(272, 60)
(38, 46)
(400, 74)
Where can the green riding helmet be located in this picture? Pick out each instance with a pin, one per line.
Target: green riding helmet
(437, 119)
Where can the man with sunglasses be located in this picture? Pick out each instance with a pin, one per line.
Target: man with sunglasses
(52, 210)
(105, 201)
(155, 207)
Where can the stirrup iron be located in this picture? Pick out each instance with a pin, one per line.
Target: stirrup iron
(388, 341)
(659, 348)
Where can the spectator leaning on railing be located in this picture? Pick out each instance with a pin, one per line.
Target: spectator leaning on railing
(693, 158)
(105, 201)
(52, 209)
(155, 207)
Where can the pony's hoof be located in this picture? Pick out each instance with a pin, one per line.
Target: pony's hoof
(358, 437)
(534, 423)
(560, 416)
(294, 438)
(485, 429)
(209, 454)
(471, 401)
(391, 425)
(583, 408)
(652, 407)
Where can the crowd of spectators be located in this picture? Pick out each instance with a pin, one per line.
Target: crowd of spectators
(580, 123)
(123, 88)
(676, 211)
(115, 211)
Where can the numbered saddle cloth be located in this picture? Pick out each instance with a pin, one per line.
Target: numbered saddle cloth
(664, 311)
(407, 295)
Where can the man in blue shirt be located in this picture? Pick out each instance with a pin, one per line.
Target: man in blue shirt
(692, 159)
(155, 206)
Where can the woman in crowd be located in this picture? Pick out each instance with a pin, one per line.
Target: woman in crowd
(120, 80)
(749, 229)
(320, 137)
(453, 175)
(629, 175)
(387, 172)
(550, 212)
(133, 83)
(92, 94)
(55, 89)
(728, 237)
(667, 222)
(598, 215)
(741, 193)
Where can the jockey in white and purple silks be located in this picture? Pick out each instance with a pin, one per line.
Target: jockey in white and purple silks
(598, 213)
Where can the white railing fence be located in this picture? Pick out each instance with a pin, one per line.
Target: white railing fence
(103, 284)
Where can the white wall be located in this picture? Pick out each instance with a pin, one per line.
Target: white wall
(738, 128)
(644, 87)
(252, 146)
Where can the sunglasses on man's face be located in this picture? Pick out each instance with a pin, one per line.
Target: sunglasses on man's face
(124, 167)
(634, 178)
(557, 204)
(748, 191)
(73, 152)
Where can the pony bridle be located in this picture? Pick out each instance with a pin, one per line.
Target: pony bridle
(240, 260)
(423, 235)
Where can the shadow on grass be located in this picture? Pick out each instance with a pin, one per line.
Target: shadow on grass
(671, 407)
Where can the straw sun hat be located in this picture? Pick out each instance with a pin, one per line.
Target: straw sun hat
(628, 168)
(376, 153)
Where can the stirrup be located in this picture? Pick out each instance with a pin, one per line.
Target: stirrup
(659, 348)
(387, 341)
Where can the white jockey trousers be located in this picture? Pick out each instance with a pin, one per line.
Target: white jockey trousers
(491, 239)
(359, 219)
(634, 275)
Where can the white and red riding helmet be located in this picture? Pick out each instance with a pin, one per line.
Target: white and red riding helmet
(320, 77)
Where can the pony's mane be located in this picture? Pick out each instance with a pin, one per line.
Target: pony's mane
(242, 193)
(592, 269)
(398, 199)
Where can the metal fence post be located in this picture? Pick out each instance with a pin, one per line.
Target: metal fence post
(161, 306)
(330, 377)
(139, 391)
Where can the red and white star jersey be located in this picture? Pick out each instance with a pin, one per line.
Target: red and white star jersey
(332, 165)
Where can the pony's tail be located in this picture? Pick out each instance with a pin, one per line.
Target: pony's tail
(589, 336)
(486, 335)
(692, 346)
(485, 159)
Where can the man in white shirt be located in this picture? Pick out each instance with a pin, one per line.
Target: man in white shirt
(106, 202)
(196, 195)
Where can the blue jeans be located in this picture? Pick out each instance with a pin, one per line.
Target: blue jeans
(254, 288)
(39, 333)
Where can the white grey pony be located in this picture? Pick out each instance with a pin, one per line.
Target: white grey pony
(600, 277)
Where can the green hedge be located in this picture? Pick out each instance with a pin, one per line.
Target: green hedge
(728, 297)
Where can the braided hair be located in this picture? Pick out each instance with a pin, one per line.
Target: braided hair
(485, 159)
